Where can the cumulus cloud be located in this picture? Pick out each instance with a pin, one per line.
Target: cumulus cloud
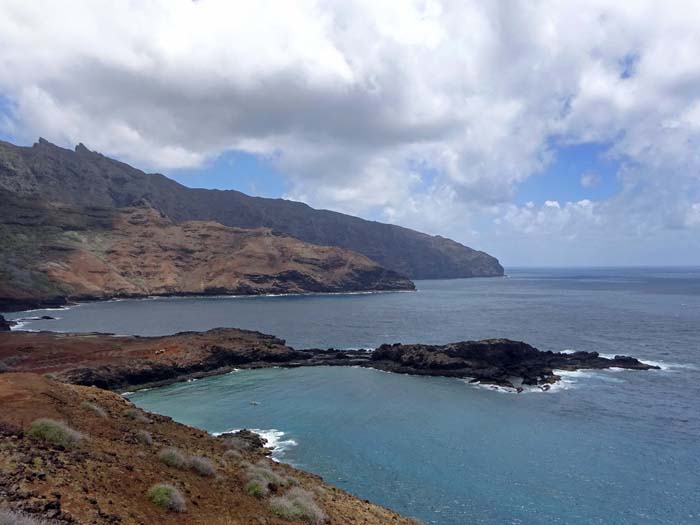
(355, 101)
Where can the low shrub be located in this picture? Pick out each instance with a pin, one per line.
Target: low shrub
(8, 517)
(144, 437)
(173, 458)
(136, 415)
(262, 480)
(202, 466)
(297, 504)
(237, 443)
(233, 455)
(166, 496)
(257, 488)
(262, 471)
(56, 432)
(98, 410)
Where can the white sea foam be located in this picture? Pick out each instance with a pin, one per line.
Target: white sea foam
(569, 379)
(663, 365)
(18, 325)
(275, 440)
(564, 384)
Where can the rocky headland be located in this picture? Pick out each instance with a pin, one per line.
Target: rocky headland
(82, 178)
(122, 363)
(500, 362)
(54, 253)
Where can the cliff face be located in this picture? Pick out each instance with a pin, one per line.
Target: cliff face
(85, 178)
(52, 253)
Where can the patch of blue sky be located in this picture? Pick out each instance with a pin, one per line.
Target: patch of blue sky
(6, 118)
(235, 170)
(577, 172)
(628, 65)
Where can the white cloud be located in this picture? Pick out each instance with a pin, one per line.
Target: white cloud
(351, 100)
(590, 180)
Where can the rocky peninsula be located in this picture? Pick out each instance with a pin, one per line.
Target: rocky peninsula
(123, 363)
(72, 452)
(499, 362)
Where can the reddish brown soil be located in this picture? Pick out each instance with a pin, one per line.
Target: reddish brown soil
(56, 253)
(113, 362)
(104, 479)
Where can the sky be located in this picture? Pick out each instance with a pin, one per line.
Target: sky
(547, 133)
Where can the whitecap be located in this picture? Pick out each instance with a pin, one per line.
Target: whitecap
(276, 440)
(663, 365)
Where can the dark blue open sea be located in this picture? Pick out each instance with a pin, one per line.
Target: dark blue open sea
(612, 447)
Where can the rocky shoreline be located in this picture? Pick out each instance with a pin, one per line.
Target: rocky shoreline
(499, 362)
(130, 362)
(76, 455)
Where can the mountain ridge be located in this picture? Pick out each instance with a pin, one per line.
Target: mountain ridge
(85, 178)
(56, 253)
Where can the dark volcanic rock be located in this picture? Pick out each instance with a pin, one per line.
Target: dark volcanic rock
(116, 363)
(5, 325)
(85, 178)
(493, 361)
(246, 440)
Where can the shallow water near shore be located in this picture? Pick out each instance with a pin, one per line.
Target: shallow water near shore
(603, 447)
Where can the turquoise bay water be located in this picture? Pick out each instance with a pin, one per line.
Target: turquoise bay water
(604, 447)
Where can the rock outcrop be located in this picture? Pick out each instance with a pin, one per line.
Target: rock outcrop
(57, 253)
(120, 363)
(84, 178)
(123, 363)
(499, 362)
(5, 325)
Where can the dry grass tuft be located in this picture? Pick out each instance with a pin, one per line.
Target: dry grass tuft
(56, 432)
(136, 415)
(96, 409)
(8, 517)
(202, 466)
(166, 496)
(144, 437)
(173, 458)
(297, 504)
(262, 479)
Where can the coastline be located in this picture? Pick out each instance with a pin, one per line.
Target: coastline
(121, 363)
(9, 306)
(106, 455)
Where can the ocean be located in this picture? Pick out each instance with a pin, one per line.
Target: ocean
(612, 447)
